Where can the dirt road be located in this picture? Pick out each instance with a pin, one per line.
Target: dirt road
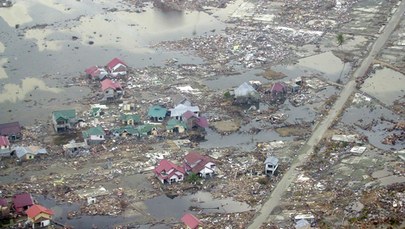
(274, 199)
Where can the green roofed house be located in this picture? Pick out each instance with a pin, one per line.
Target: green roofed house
(94, 135)
(176, 126)
(147, 129)
(130, 119)
(63, 120)
(157, 113)
(125, 130)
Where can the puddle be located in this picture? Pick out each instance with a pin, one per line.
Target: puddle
(61, 210)
(362, 116)
(162, 207)
(326, 65)
(228, 82)
(244, 141)
(385, 85)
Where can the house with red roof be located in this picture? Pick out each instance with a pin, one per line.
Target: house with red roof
(201, 165)
(168, 172)
(4, 143)
(111, 90)
(191, 221)
(193, 121)
(21, 202)
(278, 90)
(117, 67)
(96, 73)
(39, 216)
(11, 130)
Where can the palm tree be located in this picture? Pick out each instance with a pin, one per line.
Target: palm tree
(340, 39)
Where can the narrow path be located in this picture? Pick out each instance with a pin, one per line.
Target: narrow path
(322, 127)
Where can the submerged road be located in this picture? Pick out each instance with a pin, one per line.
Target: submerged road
(275, 197)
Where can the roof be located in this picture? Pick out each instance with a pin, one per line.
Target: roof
(126, 117)
(91, 70)
(65, 114)
(166, 166)
(278, 87)
(190, 220)
(202, 122)
(93, 131)
(114, 62)
(144, 129)
(21, 151)
(22, 200)
(107, 83)
(3, 202)
(188, 114)
(245, 89)
(36, 209)
(172, 123)
(182, 108)
(128, 129)
(10, 128)
(4, 141)
(194, 157)
(157, 111)
(271, 160)
(302, 224)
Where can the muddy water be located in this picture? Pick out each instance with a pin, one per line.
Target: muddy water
(36, 40)
(325, 65)
(228, 82)
(385, 85)
(162, 207)
(354, 116)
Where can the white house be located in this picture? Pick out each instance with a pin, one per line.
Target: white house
(270, 165)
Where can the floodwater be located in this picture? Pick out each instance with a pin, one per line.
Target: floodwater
(385, 85)
(232, 81)
(162, 207)
(46, 43)
(325, 65)
(366, 114)
(61, 210)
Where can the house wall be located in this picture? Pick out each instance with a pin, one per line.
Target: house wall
(28, 156)
(5, 147)
(41, 215)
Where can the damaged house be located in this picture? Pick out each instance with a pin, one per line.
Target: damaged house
(21, 202)
(270, 165)
(11, 130)
(176, 126)
(117, 67)
(29, 152)
(64, 120)
(195, 125)
(96, 73)
(167, 172)
(130, 119)
(111, 90)
(196, 163)
(246, 94)
(180, 109)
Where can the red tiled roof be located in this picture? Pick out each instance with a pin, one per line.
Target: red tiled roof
(192, 158)
(4, 141)
(36, 209)
(114, 63)
(188, 114)
(10, 128)
(3, 202)
(202, 122)
(107, 83)
(91, 70)
(278, 87)
(166, 165)
(22, 200)
(190, 220)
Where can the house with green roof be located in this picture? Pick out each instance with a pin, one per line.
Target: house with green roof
(130, 119)
(147, 129)
(125, 130)
(94, 135)
(157, 113)
(176, 126)
(63, 120)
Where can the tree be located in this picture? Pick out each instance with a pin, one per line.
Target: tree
(340, 39)
(193, 178)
